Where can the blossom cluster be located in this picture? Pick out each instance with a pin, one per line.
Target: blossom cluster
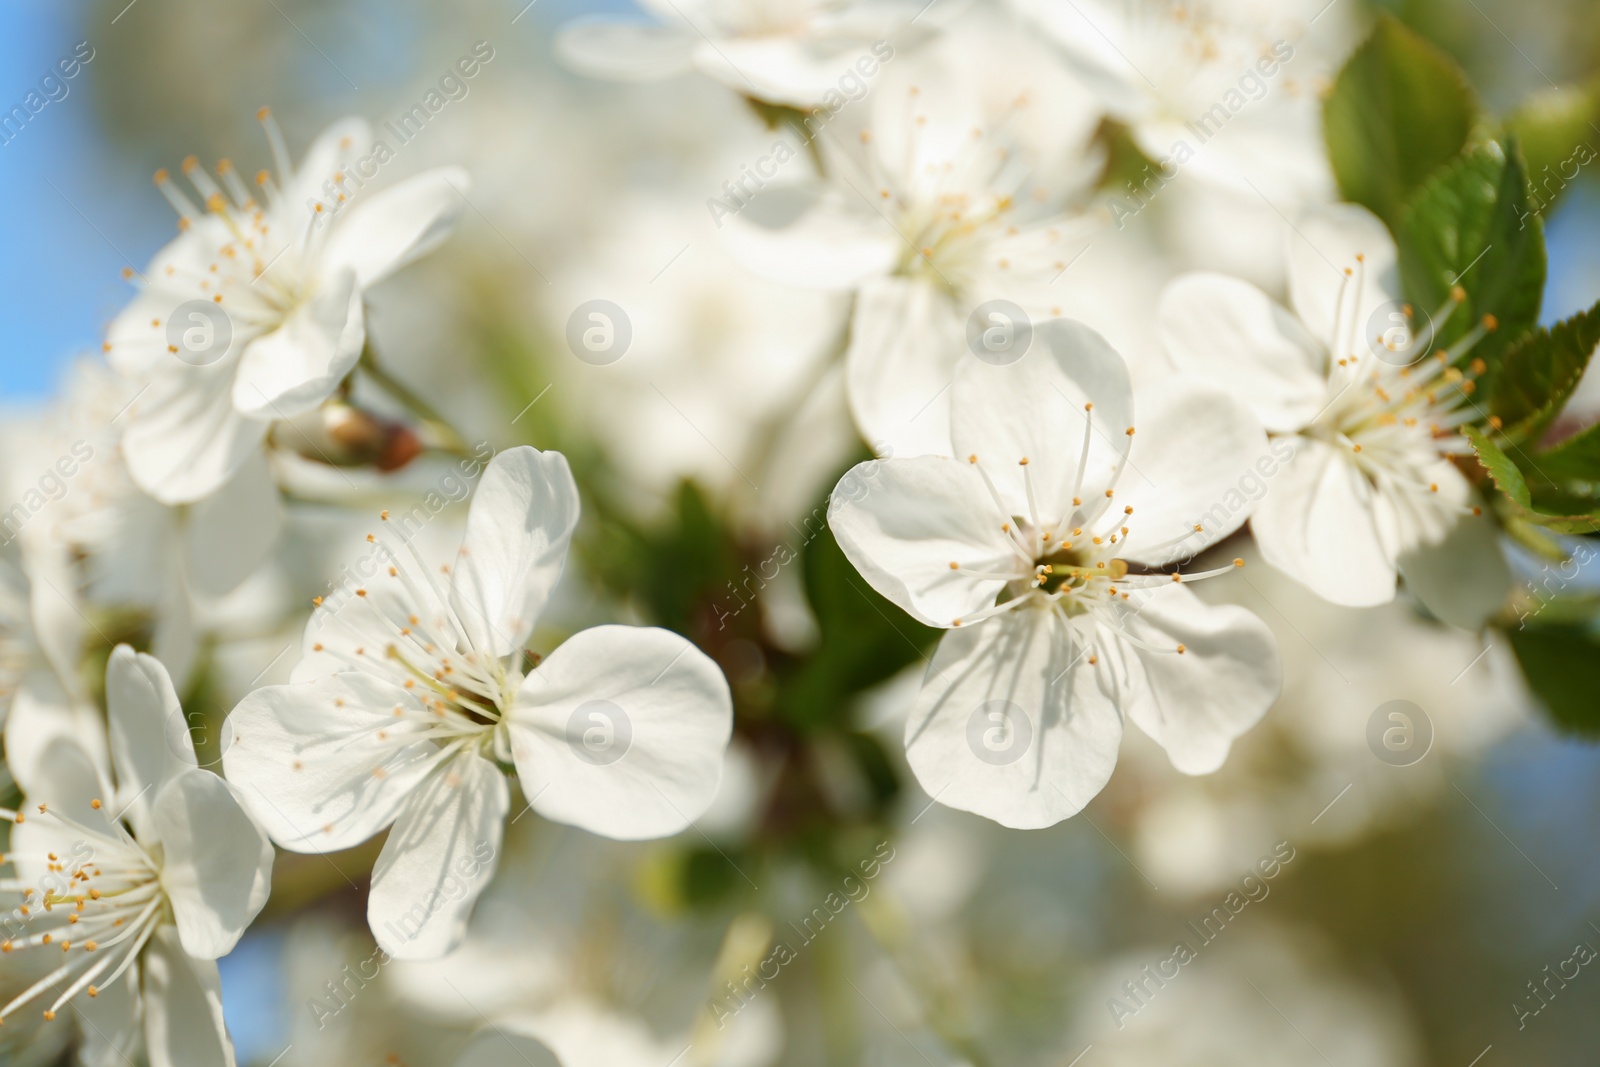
(1123, 301)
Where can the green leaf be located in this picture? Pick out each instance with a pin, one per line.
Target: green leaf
(1539, 373)
(1521, 503)
(1399, 111)
(1556, 131)
(1562, 666)
(1577, 457)
(1504, 472)
(1471, 226)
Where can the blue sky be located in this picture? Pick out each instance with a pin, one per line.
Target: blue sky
(59, 277)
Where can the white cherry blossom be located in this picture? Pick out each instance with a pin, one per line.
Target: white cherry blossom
(1041, 547)
(958, 183)
(413, 692)
(1236, 84)
(1372, 490)
(287, 274)
(791, 52)
(135, 887)
(99, 543)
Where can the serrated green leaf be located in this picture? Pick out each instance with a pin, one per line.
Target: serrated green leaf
(1555, 129)
(1538, 375)
(1400, 109)
(1471, 226)
(1506, 476)
(1562, 666)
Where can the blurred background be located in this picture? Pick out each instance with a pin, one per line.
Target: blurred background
(1424, 906)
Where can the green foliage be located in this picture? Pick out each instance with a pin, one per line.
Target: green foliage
(1471, 226)
(1507, 478)
(1557, 489)
(1399, 111)
(1577, 457)
(1538, 374)
(1562, 666)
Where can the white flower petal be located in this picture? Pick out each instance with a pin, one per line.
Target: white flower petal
(41, 713)
(1463, 579)
(115, 1022)
(1195, 446)
(615, 49)
(185, 438)
(325, 764)
(518, 528)
(903, 522)
(814, 235)
(440, 855)
(1323, 245)
(64, 777)
(779, 69)
(376, 237)
(344, 141)
(905, 340)
(1194, 703)
(1317, 524)
(217, 865)
(1034, 409)
(150, 742)
(297, 366)
(183, 1023)
(1011, 723)
(1234, 334)
(621, 731)
(229, 533)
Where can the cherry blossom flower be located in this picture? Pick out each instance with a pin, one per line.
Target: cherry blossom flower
(1372, 490)
(135, 906)
(1041, 548)
(1226, 90)
(791, 52)
(960, 184)
(286, 275)
(411, 693)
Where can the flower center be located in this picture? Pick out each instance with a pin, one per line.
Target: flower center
(406, 631)
(1394, 406)
(97, 902)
